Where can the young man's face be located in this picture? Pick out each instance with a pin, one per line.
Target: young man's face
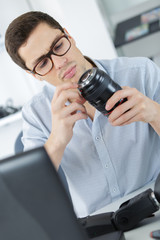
(66, 68)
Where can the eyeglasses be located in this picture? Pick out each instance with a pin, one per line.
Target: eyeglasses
(60, 48)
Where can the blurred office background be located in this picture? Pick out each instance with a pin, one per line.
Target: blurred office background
(101, 29)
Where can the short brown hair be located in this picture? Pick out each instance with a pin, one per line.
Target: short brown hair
(20, 29)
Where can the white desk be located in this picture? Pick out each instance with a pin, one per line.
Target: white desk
(142, 232)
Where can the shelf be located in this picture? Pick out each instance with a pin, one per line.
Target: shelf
(10, 119)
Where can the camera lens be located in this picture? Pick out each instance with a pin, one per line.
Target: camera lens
(97, 87)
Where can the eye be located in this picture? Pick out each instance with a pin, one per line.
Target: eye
(43, 63)
(58, 46)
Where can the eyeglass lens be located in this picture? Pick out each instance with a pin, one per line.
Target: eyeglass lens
(59, 49)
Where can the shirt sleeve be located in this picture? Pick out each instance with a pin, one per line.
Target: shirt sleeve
(33, 134)
(152, 77)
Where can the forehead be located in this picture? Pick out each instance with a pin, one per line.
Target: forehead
(38, 43)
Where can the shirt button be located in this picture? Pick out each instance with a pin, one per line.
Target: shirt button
(97, 138)
(114, 189)
(106, 166)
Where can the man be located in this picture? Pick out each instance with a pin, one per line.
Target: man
(103, 158)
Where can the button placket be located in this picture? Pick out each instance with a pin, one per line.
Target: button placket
(104, 157)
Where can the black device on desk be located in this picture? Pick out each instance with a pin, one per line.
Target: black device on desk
(34, 204)
(129, 214)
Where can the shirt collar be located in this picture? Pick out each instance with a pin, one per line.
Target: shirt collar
(96, 63)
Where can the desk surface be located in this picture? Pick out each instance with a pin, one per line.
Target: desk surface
(142, 232)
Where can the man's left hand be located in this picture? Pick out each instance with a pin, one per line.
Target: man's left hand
(137, 107)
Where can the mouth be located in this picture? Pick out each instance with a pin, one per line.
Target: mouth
(70, 73)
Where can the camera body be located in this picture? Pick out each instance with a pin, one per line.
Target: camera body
(129, 214)
(97, 87)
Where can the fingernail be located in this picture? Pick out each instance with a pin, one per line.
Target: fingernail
(107, 106)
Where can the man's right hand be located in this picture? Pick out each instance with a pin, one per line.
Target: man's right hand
(63, 119)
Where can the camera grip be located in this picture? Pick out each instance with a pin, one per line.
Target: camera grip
(134, 210)
(97, 225)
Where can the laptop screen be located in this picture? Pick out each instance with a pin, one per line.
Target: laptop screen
(33, 202)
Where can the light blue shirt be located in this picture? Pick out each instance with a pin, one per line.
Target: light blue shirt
(102, 162)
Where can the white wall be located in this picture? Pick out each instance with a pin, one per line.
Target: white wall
(84, 22)
(114, 11)
(13, 78)
(116, 6)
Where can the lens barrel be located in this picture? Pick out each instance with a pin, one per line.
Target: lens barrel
(97, 87)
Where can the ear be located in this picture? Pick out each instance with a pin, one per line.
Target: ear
(71, 38)
(67, 33)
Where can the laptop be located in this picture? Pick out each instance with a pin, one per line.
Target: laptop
(33, 202)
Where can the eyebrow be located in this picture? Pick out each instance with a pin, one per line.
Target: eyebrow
(42, 56)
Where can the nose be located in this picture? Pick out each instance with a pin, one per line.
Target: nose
(58, 61)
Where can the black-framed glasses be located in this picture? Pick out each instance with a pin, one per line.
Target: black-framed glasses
(60, 48)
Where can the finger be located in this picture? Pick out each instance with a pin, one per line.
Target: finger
(129, 116)
(125, 87)
(72, 109)
(121, 109)
(64, 97)
(131, 120)
(65, 86)
(72, 119)
(82, 100)
(117, 96)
